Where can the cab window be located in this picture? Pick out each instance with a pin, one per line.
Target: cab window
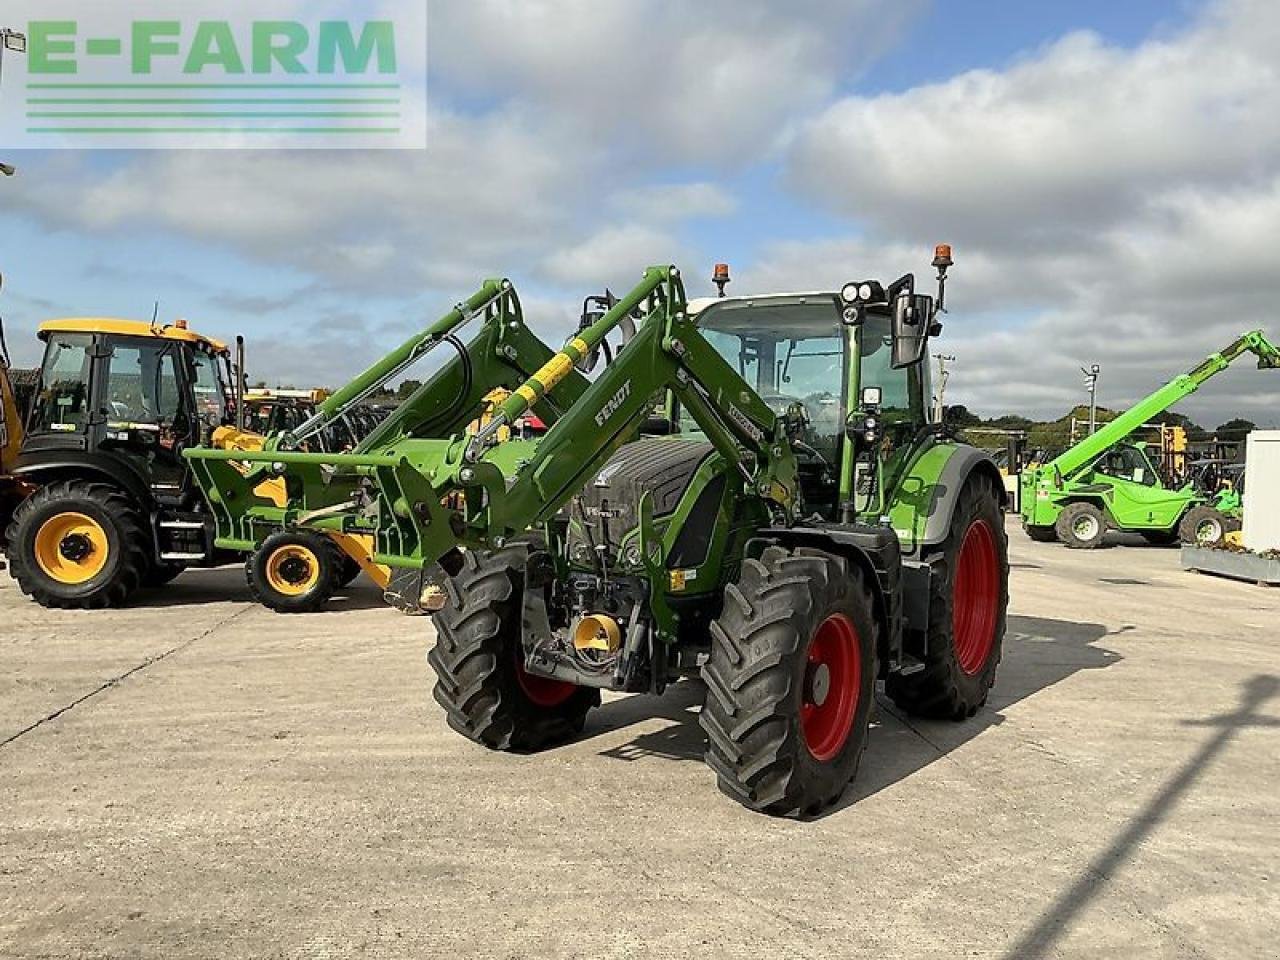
(211, 395)
(63, 402)
(1129, 463)
(143, 384)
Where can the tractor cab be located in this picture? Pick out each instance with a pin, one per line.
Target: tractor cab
(133, 393)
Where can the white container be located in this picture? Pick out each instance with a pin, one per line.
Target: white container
(1262, 491)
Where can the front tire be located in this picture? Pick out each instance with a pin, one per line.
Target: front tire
(968, 605)
(1081, 526)
(294, 571)
(1204, 526)
(76, 545)
(790, 682)
(478, 659)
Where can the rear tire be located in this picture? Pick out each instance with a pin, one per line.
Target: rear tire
(1081, 526)
(1040, 534)
(1205, 526)
(790, 682)
(968, 604)
(478, 659)
(294, 571)
(76, 545)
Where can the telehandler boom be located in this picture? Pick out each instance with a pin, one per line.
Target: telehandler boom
(751, 491)
(1105, 482)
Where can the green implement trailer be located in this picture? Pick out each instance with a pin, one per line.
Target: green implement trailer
(750, 491)
(1106, 481)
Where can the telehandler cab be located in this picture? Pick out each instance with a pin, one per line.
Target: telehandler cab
(791, 527)
(107, 502)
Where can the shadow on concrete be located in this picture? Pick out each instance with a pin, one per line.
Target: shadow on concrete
(1037, 654)
(227, 585)
(1057, 920)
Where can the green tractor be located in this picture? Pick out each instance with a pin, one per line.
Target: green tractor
(751, 492)
(1107, 481)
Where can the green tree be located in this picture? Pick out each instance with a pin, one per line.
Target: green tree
(406, 389)
(1235, 429)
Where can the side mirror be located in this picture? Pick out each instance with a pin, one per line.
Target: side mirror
(912, 316)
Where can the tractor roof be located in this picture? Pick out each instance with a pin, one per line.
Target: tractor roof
(699, 304)
(129, 328)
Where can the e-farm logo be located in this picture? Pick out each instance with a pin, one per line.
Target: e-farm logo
(200, 73)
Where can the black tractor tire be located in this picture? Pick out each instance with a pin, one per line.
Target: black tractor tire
(97, 561)
(968, 607)
(1161, 538)
(160, 573)
(1081, 526)
(1205, 526)
(1040, 534)
(347, 570)
(790, 682)
(293, 571)
(479, 661)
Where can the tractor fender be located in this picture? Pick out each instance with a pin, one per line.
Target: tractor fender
(875, 551)
(940, 483)
(46, 467)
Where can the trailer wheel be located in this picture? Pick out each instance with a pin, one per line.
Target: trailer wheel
(969, 598)
(1205, 526)
(294, 571)
(790, 682)
(478, 659)
(1081, 526)
(1040, 534)
(78, 545)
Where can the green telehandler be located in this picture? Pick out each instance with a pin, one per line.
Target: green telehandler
(751, 492)
(1107, 481)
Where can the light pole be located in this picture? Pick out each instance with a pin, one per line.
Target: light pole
(17, 42)
(943, 376)
(1091, 384)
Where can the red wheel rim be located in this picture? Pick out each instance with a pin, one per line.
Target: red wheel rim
(976, 599)
(832, 685)
(542, 691)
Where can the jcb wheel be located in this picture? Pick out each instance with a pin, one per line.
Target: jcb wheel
(478, 658)
(790, 682)
(969, 598)
(78, 545)
(1203, 526)
(1081, 526)
(293, 571)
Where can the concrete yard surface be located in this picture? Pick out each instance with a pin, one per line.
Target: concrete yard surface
(195, 776)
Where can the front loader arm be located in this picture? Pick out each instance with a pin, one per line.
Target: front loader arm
(421, 497)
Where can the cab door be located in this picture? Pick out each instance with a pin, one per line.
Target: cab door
(144, 409)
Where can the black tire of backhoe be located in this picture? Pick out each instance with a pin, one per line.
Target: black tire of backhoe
(942, 690)
(127, 538)
(478, 641)
(755, 743)
(326, 552)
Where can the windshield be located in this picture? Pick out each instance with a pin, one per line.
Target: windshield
(791, 351)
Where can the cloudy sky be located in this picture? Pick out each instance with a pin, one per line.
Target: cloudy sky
(1108, 173)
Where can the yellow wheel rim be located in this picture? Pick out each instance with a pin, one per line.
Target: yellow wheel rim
(71, 548)
(293, 570)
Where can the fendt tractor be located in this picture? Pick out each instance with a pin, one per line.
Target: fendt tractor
(105, 500)
(1107, 481)
(750, 491)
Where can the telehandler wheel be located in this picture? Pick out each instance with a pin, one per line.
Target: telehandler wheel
(294, 571)
(78, 545)
(1040, 534)
(478, 658)
(790, 682)
(969, 598)
(1081, 526)
(1204, 526)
